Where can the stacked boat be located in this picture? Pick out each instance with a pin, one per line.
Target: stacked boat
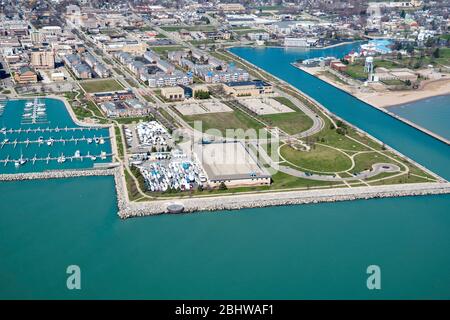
(151, 134)
(178, 176)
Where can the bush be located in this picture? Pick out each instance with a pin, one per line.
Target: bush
(223, 186)
(202, 94)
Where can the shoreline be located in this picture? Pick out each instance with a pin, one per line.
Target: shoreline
(416, 100)
(382, 109)
(128, 209)
(237, 202)
(329, 114)
(131, 209)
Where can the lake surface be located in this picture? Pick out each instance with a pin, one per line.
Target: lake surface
(56, 116)
(290, 252)
(431, 113)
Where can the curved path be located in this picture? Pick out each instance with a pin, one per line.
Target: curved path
(318, 122)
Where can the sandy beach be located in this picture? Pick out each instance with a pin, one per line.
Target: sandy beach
(385, 98)
(391, 98)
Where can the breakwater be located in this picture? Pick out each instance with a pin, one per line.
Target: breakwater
(236, 202)
(57, 174)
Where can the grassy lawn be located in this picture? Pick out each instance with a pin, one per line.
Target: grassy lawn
(394, 82)
(401, 179)
(332, 138)
(224, 120)
(128, 120)
(133, 192)
(163, 50)
(331, 76)
(364, 161)
(132, 82)
(149, 99)
(120, 150)
(388, 64)
(242, 32)
(101, 86)
(356, 71)
(320, 158)
(291, 122)
(281, 180)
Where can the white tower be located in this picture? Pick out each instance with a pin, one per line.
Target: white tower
(368, 67)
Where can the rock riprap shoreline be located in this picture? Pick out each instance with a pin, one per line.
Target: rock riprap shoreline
(236, 202)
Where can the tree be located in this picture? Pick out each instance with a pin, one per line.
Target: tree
(399, 56)
(436, 53)
(403, 14)
(410, 49)
(223, 186)
(200, 94)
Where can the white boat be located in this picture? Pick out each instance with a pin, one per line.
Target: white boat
(50, 142)
(93, 158)
(89, 140)
(61, 159)
(77, 154)
(101, 141)
(40, 139)
(29, 104)
(16, 164)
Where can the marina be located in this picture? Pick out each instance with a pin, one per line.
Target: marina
(56, 129)
(34, 112)
(51, 141)
(34, 146)
(61, 159)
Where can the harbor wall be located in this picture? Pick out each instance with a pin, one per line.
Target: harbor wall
(57, 174)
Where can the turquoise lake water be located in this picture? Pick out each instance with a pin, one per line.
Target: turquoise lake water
(432, 113)
(292, 252)
(56, 116)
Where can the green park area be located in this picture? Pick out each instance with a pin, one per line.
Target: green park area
(224, 120)
(319, 159)
(163, 50)
(92, 86)
(290, 122)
